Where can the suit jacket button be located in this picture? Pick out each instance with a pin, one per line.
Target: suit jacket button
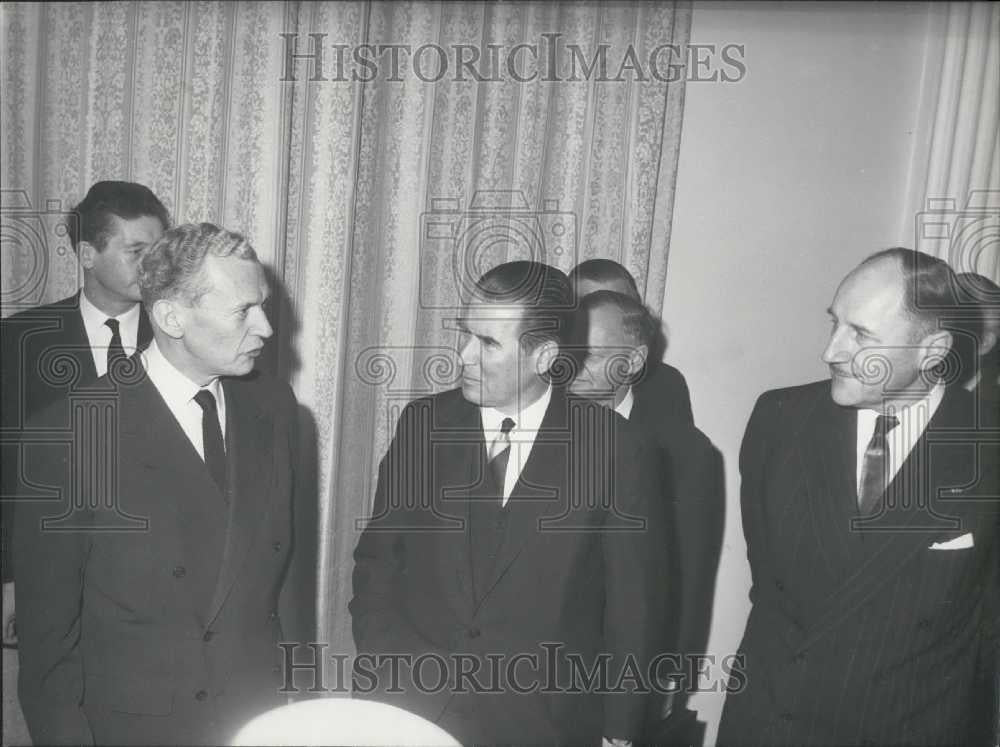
(209, 635)
(276, 546)
(180, 571)
(474, 632)
(778, 585)
(272, 615)
(200, 695)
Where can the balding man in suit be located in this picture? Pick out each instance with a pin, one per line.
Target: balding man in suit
(870, 514)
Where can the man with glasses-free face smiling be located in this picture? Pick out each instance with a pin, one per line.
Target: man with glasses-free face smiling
(869, 507)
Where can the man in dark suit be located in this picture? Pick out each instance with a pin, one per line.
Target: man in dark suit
(46, 351)
(976, 326)
(869, 509)
(661, 386)
(514, 531)
(619, 333)
(979, 354)
(149, 566)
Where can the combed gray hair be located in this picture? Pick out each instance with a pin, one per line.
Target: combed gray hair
(172, 265)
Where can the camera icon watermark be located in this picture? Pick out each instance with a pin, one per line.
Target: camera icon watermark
(968, 238)
(458, 246)
(32, 241)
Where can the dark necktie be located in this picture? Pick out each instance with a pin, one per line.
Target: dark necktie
(211, 435)
(875, 468)
(116, 351)
(500, 454)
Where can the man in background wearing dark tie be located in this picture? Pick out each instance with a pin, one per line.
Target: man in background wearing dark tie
(149, 568)
(79, 335)
(660, 387)
(869, 509)
(509, 517)
(620, 333)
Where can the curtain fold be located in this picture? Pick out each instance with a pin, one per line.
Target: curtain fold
(953, 206)
(373, 202)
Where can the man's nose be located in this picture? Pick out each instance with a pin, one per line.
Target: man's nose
(469, 352)
(261, 324)
(836, 350)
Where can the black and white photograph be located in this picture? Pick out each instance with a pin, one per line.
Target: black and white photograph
(500, 373)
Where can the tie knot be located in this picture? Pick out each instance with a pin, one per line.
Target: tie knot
(506, 426)
(112, 324)
(885, 423)
(206, 400)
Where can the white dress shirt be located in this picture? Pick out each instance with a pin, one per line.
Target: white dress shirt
(99, 334)
(624, 408)
(178, 392)
(913, 420)
(522, 436)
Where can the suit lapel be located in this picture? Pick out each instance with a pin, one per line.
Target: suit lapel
(76, 337)
(459, 465)
(540, 488)
(248, 434)
(828, 453)
(182, 498)
(917, 520)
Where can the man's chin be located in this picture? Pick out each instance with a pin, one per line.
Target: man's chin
(473, 392)
(844, 392)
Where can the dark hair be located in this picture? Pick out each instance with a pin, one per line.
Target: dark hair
(980, 296)
(126, 200)
(605, 272)
(542, 292)
(928, 285)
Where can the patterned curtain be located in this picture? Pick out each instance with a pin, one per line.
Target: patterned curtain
(373, 196)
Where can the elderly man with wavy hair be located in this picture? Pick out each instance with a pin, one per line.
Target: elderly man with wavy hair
(149, 600)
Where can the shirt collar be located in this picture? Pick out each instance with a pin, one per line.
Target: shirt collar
(176, 388)
(624, 408)
(94, 318)
(923, 409)
(528, 419)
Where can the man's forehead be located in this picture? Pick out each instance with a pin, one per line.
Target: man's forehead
(235, 275)
(141, 224)
(878, 285)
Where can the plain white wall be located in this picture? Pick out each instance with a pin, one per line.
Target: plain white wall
(786, 180)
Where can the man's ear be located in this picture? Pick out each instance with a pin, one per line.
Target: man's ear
(88, 252)
(169, 316)
(935, 347)
(988, 342)
(637, 359)
(546, 353)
